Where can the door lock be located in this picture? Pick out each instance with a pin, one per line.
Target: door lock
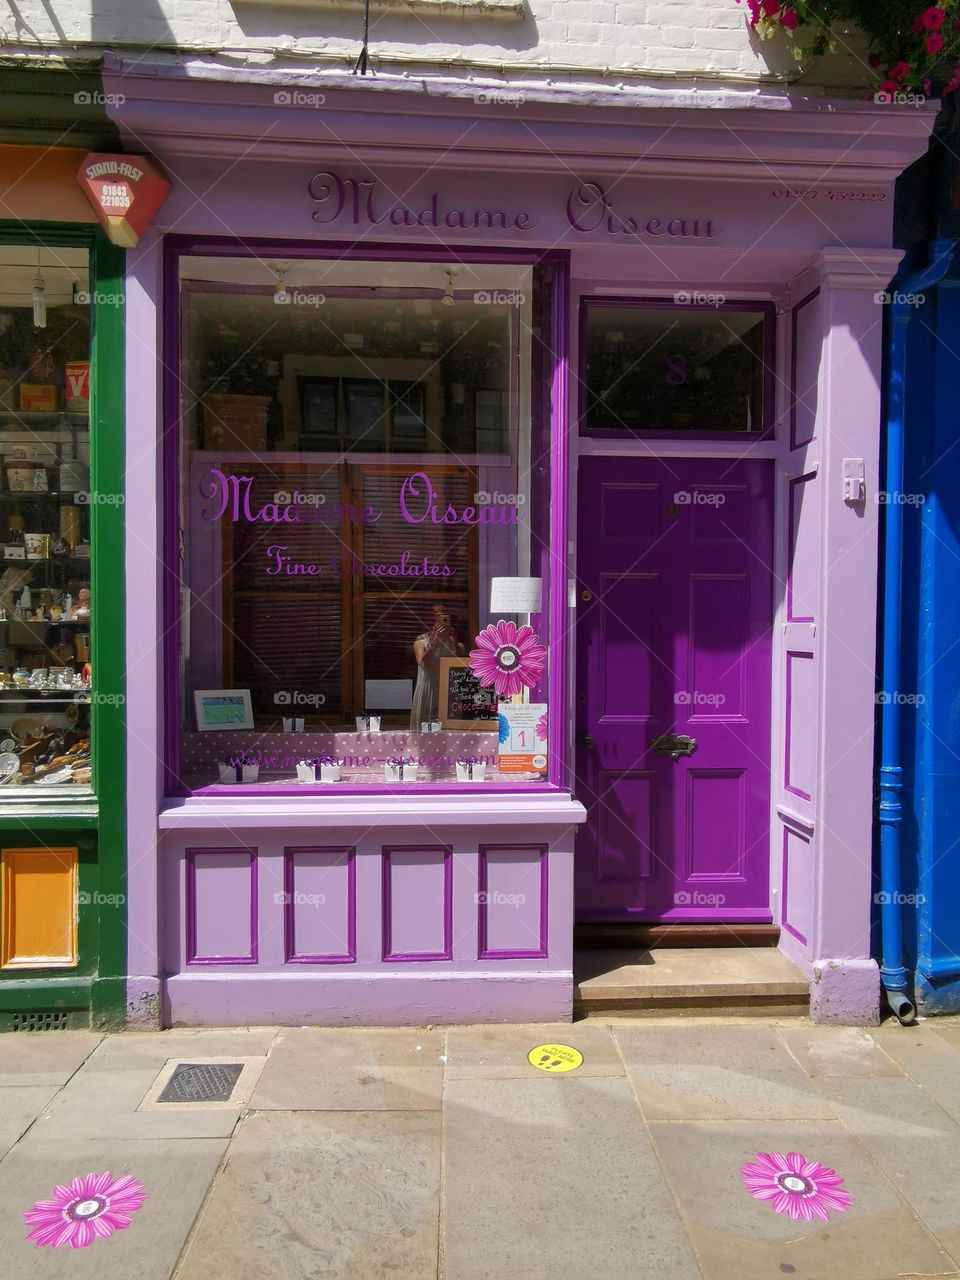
(587, 741)
(586, 595)
(674, 745)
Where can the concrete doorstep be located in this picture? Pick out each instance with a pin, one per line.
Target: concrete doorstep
(676, 980)
(614, 1151)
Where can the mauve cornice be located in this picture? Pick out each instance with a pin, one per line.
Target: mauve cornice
(784, 140)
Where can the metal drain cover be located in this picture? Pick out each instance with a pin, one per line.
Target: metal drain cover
(202, 1082)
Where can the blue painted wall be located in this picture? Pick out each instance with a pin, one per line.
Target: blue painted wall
(929, 685)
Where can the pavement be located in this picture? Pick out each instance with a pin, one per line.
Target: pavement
(418, 1153)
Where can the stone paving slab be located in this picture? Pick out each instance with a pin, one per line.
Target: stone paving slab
(717, 1073)
(929, 1058)
(47, 1058)
(837, 1051)
(100, 1104)
(500, 1052)
(554, 1182)
(175, 1175)
(391, 1069)
(339, 1195)
(18, 1110)
(137, 1050)
(739, 1238)
(915, 1142)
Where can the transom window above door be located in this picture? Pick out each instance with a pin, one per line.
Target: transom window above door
(690, 368)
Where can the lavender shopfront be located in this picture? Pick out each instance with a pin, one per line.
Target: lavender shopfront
(502, 544)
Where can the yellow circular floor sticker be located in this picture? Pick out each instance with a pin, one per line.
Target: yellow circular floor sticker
(555, 1057)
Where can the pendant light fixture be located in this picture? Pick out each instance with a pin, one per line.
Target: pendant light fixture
(39, 298)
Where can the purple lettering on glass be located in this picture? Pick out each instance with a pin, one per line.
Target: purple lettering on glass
(405, 567)
(279, 562)
(419, 505)
(360, 198)
(231, 496)
(589, 208)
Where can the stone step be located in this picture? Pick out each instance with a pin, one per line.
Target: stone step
(671, 980)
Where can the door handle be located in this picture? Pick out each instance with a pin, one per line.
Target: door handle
(674, 745)
(586, 741)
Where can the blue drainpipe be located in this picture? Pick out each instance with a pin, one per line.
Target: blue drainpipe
(893, 972)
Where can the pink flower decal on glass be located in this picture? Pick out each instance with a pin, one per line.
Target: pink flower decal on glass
(96, 1205)
(542, 728)
(798, 1187)
(508, 657)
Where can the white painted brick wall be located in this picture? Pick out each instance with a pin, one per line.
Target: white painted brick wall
(579, 37)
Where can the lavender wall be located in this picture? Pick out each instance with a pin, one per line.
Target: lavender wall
(346, 925)
(736, 174)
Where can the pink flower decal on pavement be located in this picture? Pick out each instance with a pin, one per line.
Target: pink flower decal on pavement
(798, 1187)
(508, 658)
(542, 728)
(96, 1205)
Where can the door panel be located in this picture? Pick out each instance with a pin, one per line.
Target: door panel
(674, 637)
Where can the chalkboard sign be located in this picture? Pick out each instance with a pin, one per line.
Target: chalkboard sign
(465, 703)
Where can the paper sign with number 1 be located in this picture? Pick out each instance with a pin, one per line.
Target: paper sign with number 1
(523, 737)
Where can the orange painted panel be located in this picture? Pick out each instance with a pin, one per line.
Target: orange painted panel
(40, 183)
(38, 913)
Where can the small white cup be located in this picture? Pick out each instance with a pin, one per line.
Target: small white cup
(400, 771)
(430, 726)
(293, 724)
(471, 770)
(368, 724)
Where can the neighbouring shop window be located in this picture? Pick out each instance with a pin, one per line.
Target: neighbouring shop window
(46, 608)
(692, 368)
(365, 497)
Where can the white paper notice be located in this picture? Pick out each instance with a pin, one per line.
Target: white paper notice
(515, 595)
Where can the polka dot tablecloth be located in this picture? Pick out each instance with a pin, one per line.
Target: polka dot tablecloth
(362, 756)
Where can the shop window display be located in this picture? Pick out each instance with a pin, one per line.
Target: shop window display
(46, 608)
(365, 473)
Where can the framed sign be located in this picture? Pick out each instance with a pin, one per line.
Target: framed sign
(223, 709)
(465, 703)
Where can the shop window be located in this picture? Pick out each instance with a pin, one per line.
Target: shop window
(365, 490)
(45, 507)
(697, 368)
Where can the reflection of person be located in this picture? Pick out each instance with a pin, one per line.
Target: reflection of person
(428, 648)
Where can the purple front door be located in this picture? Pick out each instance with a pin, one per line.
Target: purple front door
(674, 608)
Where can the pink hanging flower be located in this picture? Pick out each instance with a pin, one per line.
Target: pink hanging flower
(770, 8)
(934, 43)
(542, 728)
(899, 70)
(798, 1187)
(508, 658)
(789, 19)
(890, 88)
(933, 18)
(86, 1208)
(954, 81)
